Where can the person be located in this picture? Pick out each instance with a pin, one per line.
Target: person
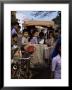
(19, 38)
(14, 39)
(54, 51)
(56, 63)
(14, 43)
(41, 38)
(25, 37)
(14, 29)
(50, 40)
(18, 29)
(34, 38)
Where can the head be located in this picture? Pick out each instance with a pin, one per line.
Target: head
(16, 24)
(18, 28)
(35, 33)
(41, 35)
(14, 37)
(51, 35)
(25, 33)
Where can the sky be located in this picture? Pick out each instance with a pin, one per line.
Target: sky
(27, 15)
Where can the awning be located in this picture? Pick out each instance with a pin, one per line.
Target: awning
(39, 23)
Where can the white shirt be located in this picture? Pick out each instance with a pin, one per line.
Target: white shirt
(56, 67)
(24, 40)
(42, 41)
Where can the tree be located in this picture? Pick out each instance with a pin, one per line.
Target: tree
(41, 13)
(57, 20)
(13, 18)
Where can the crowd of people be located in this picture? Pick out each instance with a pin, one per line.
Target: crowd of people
(33, 36)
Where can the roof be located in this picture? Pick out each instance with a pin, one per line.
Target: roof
(38, 23)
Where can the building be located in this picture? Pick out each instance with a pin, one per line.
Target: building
(33, 23)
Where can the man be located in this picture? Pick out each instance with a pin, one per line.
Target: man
(56, 62)
(15, 27)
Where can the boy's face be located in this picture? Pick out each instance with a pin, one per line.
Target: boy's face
(26, 34)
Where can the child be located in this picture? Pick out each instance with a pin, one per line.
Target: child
(34, 39)
(25, 37)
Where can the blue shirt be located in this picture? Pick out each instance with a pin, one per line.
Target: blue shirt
(13, 31)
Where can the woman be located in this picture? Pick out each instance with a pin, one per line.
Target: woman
(56, 63)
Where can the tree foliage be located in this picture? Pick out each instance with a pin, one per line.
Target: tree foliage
(42, 13)
(57, 20)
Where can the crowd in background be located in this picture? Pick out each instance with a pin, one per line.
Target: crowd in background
(33, 36)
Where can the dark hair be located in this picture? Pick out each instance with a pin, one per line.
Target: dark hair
(19, 27)
(14, 35)
(50, 33)
(25, 30)
(16, 23)
(31, 35)
(41, 34)
(34, 32)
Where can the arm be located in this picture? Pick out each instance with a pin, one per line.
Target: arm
(53, 68)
